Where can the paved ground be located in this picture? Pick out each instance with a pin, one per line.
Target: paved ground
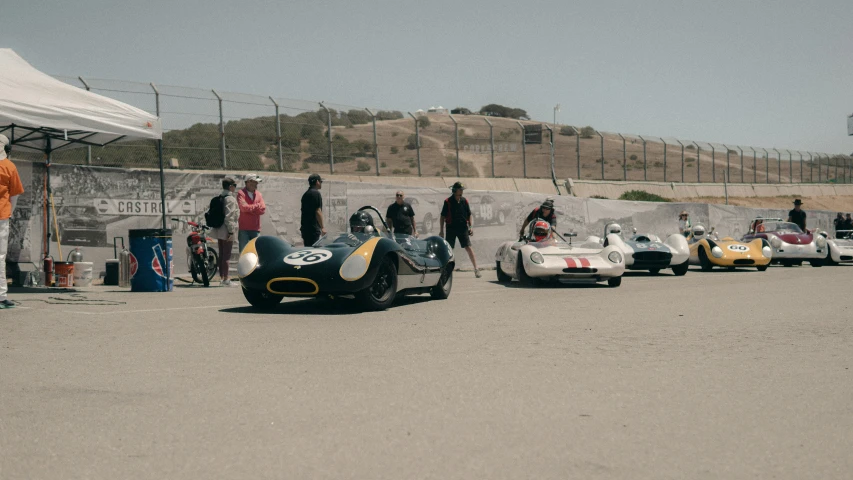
(717, 375)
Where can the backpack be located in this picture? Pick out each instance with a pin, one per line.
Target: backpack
(215, 215)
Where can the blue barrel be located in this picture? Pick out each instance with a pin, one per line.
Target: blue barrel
(150, 260)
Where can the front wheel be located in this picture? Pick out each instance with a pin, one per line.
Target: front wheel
(680, 270)
(212, 263)
(654, 271)
(442, 289)
(704, 262)
(522, 275)
(828, 260)
(501, 218)
(262, 300)
(502, 276)
(761, 268)
(380, 294)
(614, 282)
(816, 263)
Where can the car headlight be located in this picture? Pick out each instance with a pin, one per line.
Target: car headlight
(776, 242)
(247, 264)
(537, 258)
(354, 268)
(717, 252)
(615, 257)
(767, 251)
(821, 242)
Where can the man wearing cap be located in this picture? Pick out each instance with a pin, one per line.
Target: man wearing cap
(313, 223)
(545, 212)
(252, 206)
(10, 188)
(456, 214)
(797, 215)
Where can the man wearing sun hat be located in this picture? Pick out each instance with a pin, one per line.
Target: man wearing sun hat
(797, 215)
(10, 188)
(684, 223)
(252, 206)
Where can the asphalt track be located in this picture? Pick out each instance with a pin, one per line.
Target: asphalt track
(712, 375)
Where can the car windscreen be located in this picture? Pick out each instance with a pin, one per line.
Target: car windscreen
(344, 238)
(782, 227)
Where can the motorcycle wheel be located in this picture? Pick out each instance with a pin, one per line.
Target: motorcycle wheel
(201, 269)
(212, 263)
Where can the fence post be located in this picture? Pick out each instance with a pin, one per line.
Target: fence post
(826, 156)
(523, 148)
(664, 158)
(89, 147)
(602, 152)
(491, 144)
(456, 134)
(624, 159)
(713, 163)
(811, 166)
(331, 150)
(698, 163)
(375, 143)
(221, 132)
(728, 163)
(577, 149)
(802, 180)
(682, 159)
(741, 163)
(551, 140)
(819, 173)
(160, 161)
(779, 163)
(278, 135)
(790, 167)
(417, 141)
(836, 168)
(644, 158)
(754, 166)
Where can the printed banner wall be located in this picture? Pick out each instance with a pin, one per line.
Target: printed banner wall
(95, 206)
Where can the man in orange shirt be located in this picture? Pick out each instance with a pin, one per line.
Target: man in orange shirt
(10, 188)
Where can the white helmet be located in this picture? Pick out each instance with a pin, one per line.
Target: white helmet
(698, 231)
(613, 228)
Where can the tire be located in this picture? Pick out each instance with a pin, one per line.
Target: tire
(380, 294)
(442, 290)
(798, 263)
(212, 263)
(201, 270)
(828, 261)
(786, 263)
(816, 263)
(654, 271)
(427, 224)
(761, 268)
(704, 262)
(680, 270)
(262, 300)
(522, 275)
(614, 282)
(731, 269)
(502, 277)
(501, 218)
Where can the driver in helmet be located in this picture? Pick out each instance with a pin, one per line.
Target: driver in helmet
(541, 231)
(360, 225)
(698, 233)
(614, 228)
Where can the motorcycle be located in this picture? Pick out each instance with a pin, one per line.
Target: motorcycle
(202, 259)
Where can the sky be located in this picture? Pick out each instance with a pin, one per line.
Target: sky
(759, 73)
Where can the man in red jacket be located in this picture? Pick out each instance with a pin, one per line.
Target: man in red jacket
(252, 206)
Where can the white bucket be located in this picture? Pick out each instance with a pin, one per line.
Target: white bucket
(83, 274)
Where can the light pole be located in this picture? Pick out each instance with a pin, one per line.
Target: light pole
(556, 109)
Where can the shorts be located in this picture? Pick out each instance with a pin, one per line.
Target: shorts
(461, 233)
(310, 237)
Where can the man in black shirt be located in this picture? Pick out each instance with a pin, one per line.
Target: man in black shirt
(313, 225)
(545, 212)
(797, 215)
(847, 225)
(456, 214)
(838, 223)
(401, 216)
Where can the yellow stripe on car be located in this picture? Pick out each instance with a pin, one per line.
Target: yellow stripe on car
(355, 266)
(293, 279)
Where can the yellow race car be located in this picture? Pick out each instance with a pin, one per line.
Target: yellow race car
(709, 251)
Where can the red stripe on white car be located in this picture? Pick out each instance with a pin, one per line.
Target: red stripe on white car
(570, 262)
(584, 263)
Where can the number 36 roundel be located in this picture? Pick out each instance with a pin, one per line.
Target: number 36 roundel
(308, 257)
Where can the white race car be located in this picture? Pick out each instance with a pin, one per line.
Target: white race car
(840, 247)
(649, 252)
(544, 256)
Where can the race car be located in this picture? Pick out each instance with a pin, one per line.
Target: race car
(648, 252)
(371, 267)
(840, 248)
(708, 251)
(789, 244)
(540, 257)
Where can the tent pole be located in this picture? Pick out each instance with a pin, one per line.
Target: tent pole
(47, 197)
(162, 182)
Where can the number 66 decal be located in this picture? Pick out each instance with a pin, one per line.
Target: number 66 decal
(308, 257)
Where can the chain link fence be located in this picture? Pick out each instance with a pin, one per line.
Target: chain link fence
(209, 129)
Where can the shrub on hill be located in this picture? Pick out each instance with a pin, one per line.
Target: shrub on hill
(642, 196)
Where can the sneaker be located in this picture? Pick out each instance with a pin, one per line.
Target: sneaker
(225, 283)
(477, 273)
(7, 304)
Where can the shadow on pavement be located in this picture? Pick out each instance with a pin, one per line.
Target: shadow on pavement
(324, 306)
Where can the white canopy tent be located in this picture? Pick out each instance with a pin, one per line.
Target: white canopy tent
(38, 112)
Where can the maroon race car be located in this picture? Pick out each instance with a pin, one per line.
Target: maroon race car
(791, 245)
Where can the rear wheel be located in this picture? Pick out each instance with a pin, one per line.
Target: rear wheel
(262, 300)
(381, 293)
(200, 270)
(442, 290)
(816, 263)
(704, 262)
(614, 282)
(680, 270)
(522, 275)
(502, 277)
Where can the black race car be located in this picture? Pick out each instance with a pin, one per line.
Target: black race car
(365, 264)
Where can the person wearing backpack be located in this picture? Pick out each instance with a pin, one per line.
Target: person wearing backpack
(223, 216)
(252, 206)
